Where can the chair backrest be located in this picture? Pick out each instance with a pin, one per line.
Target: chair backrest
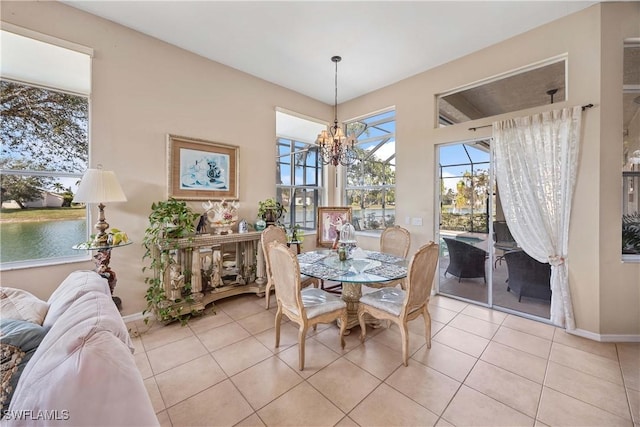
(501, 232)
(271, 234)
(285, 272)
(462, 250)
(422, 269)
(395, 241)
(522, 266)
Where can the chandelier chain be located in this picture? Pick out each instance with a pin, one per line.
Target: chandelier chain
(333, 145)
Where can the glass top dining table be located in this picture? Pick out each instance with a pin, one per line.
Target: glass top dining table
(360, 268)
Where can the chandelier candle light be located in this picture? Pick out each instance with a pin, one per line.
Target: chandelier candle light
(335, 147)
(98, 186)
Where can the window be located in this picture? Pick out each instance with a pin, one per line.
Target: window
(631, 152)
(298, 169)
(534, 85)
(44, 137)
(464, 186)
(371, 180)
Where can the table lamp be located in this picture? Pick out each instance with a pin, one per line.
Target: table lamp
(100, 186)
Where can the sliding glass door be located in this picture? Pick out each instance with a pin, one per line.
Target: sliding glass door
(464, 210)
(480, 261)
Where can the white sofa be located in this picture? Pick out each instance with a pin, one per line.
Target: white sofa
(83, 372)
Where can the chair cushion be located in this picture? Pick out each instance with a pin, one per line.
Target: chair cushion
(317, 302)
(22, 305)
(386, 299)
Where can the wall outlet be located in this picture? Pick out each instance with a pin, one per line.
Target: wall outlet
(407, 220)
(416, 221)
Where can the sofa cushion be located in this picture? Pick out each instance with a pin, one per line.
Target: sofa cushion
(22, 305)
(76, 285)
(93, 382)
(19, 340)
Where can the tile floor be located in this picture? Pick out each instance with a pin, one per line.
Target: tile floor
(484, 368)
(476, 290)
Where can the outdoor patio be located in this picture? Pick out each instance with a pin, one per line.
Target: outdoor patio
(476, 290)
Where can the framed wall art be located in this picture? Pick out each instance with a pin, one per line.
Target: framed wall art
(330, 220)
(201, 170)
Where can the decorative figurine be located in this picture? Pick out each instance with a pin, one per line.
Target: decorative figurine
(221, 215)
(202, 224)
(177, 282)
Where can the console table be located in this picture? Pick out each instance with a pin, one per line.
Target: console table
(212, 266)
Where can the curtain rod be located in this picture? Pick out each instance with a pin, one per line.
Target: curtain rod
(584, 107)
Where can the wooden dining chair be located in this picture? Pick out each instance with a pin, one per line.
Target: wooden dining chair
(277, 234)
(401, 306)
(394, 241)
(306, 307)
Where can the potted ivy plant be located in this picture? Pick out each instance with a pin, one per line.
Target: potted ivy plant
(271, 210)
(168, 219)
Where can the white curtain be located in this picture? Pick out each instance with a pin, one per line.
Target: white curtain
(536, 159)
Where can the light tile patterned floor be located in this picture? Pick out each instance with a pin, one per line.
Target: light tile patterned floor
(484, 368)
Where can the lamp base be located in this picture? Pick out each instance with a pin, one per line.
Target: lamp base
(102, 238)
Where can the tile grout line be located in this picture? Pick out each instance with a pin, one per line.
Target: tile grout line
(383, 381)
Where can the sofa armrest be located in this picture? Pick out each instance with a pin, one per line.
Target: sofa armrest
(76, 285)
(97, 383)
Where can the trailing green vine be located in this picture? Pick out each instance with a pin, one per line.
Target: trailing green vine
(169, 219)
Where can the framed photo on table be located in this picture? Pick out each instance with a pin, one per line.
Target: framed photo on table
(330, 220)
(201, 170)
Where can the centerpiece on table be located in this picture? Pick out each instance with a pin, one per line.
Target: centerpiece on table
(221, 215)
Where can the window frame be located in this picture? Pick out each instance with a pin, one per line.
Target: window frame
(290, 217)
(384, 187)
(59, 43)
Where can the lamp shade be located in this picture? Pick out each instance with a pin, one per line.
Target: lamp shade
(98, 186)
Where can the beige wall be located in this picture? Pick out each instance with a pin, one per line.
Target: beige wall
(619, 282)
(144, 89)
(605, 291)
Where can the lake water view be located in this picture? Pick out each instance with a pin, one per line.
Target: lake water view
(22, 241)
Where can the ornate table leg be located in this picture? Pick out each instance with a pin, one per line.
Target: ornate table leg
(261, 274)
(351, 293)
(102, 259)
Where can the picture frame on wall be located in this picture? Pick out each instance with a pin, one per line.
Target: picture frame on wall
(201, 170)
(330, 220)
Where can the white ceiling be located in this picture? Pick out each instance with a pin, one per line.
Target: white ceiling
(290, 43)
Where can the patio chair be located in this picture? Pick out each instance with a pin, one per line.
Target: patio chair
(465, 260)
(503, 240)
(277, 234)
(395, 241)
(306, 307)
(527, 276)
(401, 306)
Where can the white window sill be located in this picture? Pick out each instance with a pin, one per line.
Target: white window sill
(369, 233)
(18, 265)
(631, 258)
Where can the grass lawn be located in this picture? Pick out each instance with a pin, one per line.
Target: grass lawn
(41, 214)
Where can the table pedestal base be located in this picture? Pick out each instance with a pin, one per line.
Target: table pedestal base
(351, 293)
(102, 259)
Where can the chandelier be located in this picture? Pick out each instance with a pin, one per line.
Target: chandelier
(335, 147)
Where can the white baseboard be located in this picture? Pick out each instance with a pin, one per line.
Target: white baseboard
(605, 338)
(136, 316)
(579, 332)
